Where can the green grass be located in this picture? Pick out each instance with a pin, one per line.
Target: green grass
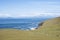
(49, 31)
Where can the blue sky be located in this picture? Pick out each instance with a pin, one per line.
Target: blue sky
(29, 8)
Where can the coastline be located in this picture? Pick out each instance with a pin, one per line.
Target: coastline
(49, 31)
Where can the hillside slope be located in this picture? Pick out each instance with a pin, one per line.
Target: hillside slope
(50, 30)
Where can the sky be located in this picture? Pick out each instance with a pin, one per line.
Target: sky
(29, 8)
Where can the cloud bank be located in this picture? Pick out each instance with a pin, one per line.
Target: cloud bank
(24, 9)
(30, 15)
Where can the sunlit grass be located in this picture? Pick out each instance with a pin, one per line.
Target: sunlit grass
(49, 31)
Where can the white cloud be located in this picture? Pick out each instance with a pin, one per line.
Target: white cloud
(30, 14)
(5, 15)
(31, 9)
(33, 14)
(51, 14)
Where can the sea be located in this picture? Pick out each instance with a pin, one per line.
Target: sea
(21, 24)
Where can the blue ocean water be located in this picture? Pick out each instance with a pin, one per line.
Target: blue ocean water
(22, 24)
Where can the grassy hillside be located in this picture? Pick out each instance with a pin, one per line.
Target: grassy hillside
(50, 30)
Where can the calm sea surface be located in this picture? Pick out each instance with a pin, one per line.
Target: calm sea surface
(22, 24)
